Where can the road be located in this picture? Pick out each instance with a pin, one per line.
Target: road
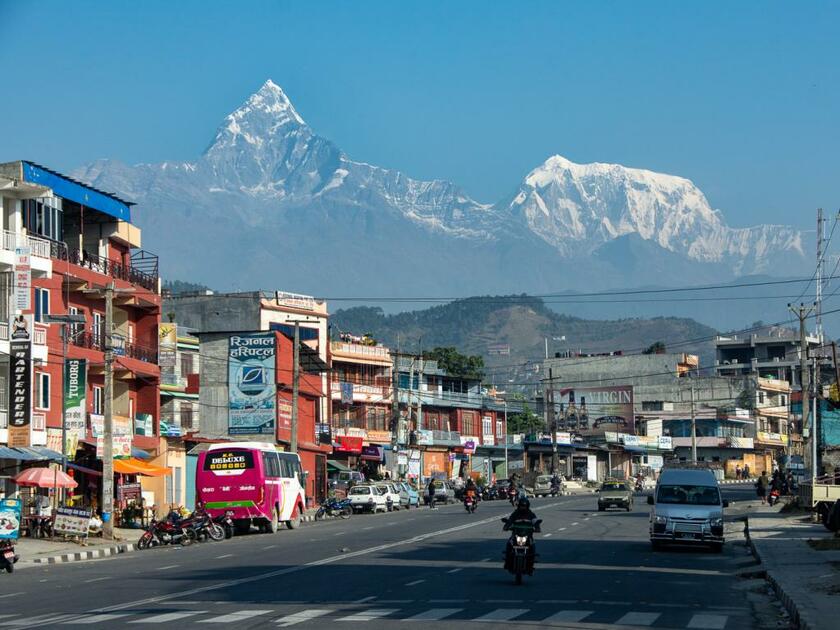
(596, 570)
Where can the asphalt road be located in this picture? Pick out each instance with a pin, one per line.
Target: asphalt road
(440, 567)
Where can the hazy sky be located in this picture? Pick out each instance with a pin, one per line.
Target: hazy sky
(743, 98)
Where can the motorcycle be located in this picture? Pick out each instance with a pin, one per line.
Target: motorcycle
(225, 521)
(164, 533)
(773, 497)
(334, 507)
(489, 493)
(520, 554)
(514, 494)
(200, 526)
(8, 557)
(470, 503)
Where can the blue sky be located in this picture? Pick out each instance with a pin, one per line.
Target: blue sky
(743, 98)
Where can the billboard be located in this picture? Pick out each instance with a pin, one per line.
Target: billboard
(20, 380)
(252, 386)
(593, 410)
(75, 389)
(23, 279)
(167, 344)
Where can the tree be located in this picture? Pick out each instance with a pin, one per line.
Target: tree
(657, 347)
(524, 422)
(455, 363)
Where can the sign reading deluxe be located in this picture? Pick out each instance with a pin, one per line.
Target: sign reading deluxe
(252, 386)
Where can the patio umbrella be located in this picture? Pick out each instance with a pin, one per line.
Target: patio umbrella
(45, 478)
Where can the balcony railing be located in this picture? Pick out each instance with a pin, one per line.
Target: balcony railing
(38, 246)
(122, 348)
(106, 266)
(39, 336)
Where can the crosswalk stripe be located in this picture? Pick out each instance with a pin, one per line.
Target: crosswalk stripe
(88, 619)
(638, 619)
(236, 617)
(502, 614)
(569, 615)
(166, 617)
(40, 619)
(369, 615)
(435, 614)
(300, 617)
(709, 622)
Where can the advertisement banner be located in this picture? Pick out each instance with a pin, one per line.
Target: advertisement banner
(23, 278)
(75, 388)
(121, 435)
(376, 436)
(20, 380)
(252, 386)
(10, 518)
(167, 344)
(72, 521)
(346, 393)
(593, 410)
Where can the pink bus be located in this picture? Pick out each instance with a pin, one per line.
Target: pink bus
(253, 482)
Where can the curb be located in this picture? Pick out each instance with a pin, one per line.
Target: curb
(92, 554)
(736, 481)
(799, 617)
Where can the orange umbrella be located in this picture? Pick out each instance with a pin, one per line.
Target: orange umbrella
(45, 478)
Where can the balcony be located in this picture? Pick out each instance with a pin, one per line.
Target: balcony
(38, 246)
(142, 271)
(39, 338)
(122, 347)
(361, 351)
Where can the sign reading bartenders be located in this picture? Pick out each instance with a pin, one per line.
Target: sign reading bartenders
(20, 380)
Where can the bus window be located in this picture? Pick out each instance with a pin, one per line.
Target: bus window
(290, 466)
(271, 464)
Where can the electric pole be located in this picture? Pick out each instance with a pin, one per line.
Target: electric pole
(108, 428)
(293, 439)
(693, 428)
(804, 377)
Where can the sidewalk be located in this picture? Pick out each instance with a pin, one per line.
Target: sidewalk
(806, 580)
(34, 551)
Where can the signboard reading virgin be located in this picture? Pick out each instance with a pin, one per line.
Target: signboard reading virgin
(593, 410)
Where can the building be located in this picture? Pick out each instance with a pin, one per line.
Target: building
(79, 241)
(246, 394)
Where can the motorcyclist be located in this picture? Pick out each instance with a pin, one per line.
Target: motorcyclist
(521, 513)
(470, 491)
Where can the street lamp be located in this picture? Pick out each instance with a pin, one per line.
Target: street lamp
(66, 321)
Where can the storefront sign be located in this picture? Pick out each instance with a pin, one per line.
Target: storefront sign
(20, 380)
(425, 437)
(414, 468)
(167, 345)
(593, 410)
(402, 460)
(771, 438)
(373, 453)
(378, 437)
(348, 444)
(128, 491)
(563, 438)
(489, 439)
(516, 464)
(252, 387)
(9, 518)
(469, 444)
(347, 393)
(655, 461)
(75, 388)
(72, 521)
(664, 443)
(741, 442)
(23, 278)
(121, 434)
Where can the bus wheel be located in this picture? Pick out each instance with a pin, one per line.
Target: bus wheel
(294, 523)
(272, 525)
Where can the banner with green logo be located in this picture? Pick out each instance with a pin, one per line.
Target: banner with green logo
(75, 397)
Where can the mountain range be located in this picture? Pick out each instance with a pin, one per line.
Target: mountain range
(271, 204)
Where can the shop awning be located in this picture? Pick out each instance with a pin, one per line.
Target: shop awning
(337, 466)
(29, 454)
(133, 466)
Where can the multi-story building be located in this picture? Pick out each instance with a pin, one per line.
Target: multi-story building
(81, 240)
(773, 355)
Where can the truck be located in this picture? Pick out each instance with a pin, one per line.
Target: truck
(821, 495)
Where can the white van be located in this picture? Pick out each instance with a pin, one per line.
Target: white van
(687, 508)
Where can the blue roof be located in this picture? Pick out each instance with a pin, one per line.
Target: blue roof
(68, 188)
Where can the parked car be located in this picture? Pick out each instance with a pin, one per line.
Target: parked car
(346, 479)
(392, 494)
(687, 508)
(444, 493)
(615, 493)
(542, 486)
(367, 498)
(408, 495)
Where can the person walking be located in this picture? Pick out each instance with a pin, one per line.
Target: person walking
(431, 491)
(738, 471)
(761, 487)
(746, 471)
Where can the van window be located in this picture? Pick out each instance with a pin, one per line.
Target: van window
(688, 495)
(271, 464)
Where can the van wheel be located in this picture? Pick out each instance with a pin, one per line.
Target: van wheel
(294, 522)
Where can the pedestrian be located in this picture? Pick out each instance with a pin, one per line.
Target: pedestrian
(431, 492)
(737, 471)
(761, 487)
(746, 471)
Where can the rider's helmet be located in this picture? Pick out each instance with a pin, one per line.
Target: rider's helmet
(523, 503)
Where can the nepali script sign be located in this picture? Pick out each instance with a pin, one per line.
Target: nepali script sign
(252, 384)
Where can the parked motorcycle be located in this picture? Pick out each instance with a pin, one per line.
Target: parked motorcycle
(225, 521)
(520, 553)
(200, 526)
(334, 507)
(164, 533)
(8, 557)
(470, 504)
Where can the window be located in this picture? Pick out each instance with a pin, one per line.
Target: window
(97, 330)
(42, 393)
(131, 408)
(42, 304)
(487, 425)
(760, 398)
(500, 430)
(75, 329)
(186, 364)
(43, 217)
(187, 415)
(783, 400)
(271, 464)
(97, 400)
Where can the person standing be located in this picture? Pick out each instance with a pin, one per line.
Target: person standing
(737, 471)
(431, 492)
(761, 487)
(746, 471)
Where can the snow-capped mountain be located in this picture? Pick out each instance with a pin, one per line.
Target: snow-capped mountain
(279, 205)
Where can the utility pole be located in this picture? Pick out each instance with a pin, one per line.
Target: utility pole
(693, 428)
(420, 407)
(108, 429)
(507, 472)
(293, 439)
(820, 274)
(815, 437)
(804, 376)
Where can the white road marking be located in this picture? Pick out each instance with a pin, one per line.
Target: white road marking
(236, 617)
(12, 594)
(561, 529)
(49, 619)
(435, 614)
(167, 617)
(549, 535)
(415, 582)
(557, 601)
(364, 600)
(711, 622)
(455, 570)
(448, 601)
(638, 619)
(99, 579)
(573, 524)
(168, 566)
(95, 618)
(300, 617)
(270, 547)
(227, 555)
(485, 560)
(369, 615)
(364, 529)
(569, 615)
(502, 614)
